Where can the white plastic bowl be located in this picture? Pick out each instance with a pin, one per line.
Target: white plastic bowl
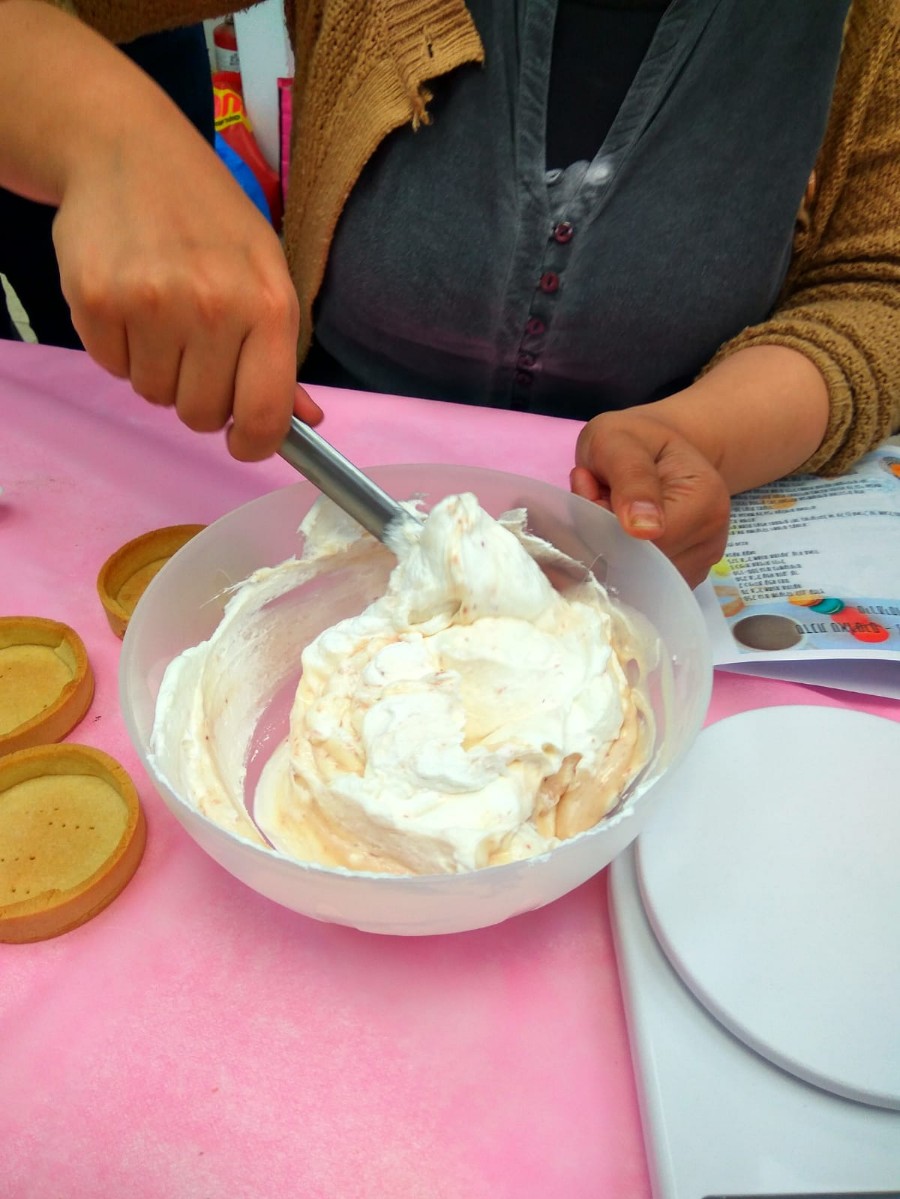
(184, 603)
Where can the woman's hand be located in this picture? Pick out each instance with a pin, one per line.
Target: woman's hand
(667, 469)
(660, 487)
(175, 280)
(177, 283)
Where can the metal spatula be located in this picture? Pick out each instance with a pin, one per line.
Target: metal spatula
(336, 476)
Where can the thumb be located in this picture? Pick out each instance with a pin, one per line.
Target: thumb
(628, 465)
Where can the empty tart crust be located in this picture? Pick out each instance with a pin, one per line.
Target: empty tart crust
(72, 834)
(46, 681)
(125, 574)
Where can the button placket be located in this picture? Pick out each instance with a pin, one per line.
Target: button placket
(549, 284)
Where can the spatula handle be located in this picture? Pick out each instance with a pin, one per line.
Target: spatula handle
(335, 476)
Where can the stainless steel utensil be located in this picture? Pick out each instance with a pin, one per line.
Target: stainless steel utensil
(336, 476)
(360, 497)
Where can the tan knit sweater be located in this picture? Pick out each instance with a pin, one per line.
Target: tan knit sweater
(362, 69)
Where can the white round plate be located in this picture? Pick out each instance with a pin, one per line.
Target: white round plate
(772, 881)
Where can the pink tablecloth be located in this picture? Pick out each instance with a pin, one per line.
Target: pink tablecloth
(196, 1040)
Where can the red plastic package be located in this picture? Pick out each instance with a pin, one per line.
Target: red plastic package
(233, 126)
(285, 115)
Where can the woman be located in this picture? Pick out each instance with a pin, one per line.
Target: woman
(657, 287)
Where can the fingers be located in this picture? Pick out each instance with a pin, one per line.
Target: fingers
(659, 485)
(213, 355)
(306, 408)
(626, 463)
(588, 486)
(265, 387)
(196, 309)
(184, 340)
(104, 338)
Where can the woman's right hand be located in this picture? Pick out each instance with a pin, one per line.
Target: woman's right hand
(660, 486)
(174, 278)
(177, 283)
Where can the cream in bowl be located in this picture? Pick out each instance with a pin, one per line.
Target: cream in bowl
(421, 743)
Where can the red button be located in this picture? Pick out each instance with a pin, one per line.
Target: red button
(524, 378)
(535, 327)
(549, 282)
(526, 359)
(564, 232)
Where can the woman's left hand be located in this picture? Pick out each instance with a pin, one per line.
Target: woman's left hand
(658, 484)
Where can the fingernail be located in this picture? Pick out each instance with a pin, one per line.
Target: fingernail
(644, 515)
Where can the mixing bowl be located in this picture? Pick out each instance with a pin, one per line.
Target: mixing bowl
(184, 603)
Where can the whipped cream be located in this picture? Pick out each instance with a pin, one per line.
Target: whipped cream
(469, 715)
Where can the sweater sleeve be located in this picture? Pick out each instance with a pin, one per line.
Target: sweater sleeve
(841, 302)
(123, 20)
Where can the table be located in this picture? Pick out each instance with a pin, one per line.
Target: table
(196, 1040)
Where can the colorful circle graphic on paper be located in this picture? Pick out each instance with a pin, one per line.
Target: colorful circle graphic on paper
(806, 599)
(828, 605)
(779, 503)
(862, 627)
(730, 600)
(858, 624)
(872, 633)
(767, 631)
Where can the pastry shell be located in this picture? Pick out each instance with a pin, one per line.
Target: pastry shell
(72, 834)
(46, 681)
(125, 574)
